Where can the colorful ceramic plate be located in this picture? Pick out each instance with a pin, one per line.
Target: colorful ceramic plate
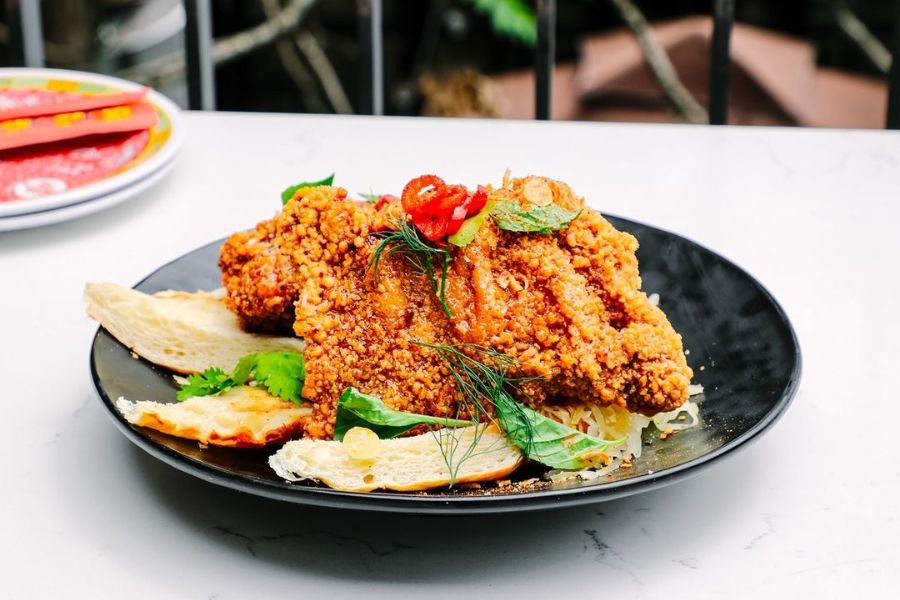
(84, 169)
(733, 327)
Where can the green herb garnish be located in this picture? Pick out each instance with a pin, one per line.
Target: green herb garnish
(281, 373)
(510, 216)
(425, 257)
(547, 441)
(485, 381)
(289, 192)
(470, 227)
(357, 409)
(211, 382)
(370, 197)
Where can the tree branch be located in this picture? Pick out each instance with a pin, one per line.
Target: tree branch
(171, 67)
(324, 71)
(294, 67)
(857, 31)
(659, 63)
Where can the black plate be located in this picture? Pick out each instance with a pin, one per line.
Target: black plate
(731, 325)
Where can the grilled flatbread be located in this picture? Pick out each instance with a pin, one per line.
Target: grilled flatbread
(401, 464)
(185, 332)
(242, 417)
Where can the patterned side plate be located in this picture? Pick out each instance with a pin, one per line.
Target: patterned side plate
(66, 173)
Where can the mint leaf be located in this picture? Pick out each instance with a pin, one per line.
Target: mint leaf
(281, 373)
(211, 382)
(357, 409)
(289, 192)
(547, 441)
(510, 216)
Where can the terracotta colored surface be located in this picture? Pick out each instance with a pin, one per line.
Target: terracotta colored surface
(774, 81)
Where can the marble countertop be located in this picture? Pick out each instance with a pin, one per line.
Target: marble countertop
(810, 509)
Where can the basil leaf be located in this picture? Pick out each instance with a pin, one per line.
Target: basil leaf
(510, 216)
(470, 227)
(289, 192)
(356, 409)
(547, 441)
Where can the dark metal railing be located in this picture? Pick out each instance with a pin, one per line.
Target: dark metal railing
(893, 110)
(26, 33)
(27, 48)
(198, 58)
(720, 61)
(545, 54)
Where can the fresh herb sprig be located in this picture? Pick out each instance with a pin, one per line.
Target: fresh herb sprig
(357, 409)
(485, 381)
(281, 373)
(426, 258)
(289, 192)
(510, 216)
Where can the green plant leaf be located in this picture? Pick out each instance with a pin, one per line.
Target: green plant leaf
(281, 373)
(212, 382)
(547, 441)
(289, 192)
(512, 18)
(357, 409)
(510, 216)
(470, 227)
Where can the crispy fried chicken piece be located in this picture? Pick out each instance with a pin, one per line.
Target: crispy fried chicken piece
(566, 306)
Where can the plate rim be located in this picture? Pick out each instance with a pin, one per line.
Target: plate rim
(391, 502)
(113, 183)
(87, 207)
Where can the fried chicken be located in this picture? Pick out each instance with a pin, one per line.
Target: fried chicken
(567, 307)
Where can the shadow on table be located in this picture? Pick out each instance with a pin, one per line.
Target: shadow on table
(128, 497)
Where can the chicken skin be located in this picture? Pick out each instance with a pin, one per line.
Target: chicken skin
(565, 306)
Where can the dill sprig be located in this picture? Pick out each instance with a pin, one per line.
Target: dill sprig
(425, 257)
(482, 375)
(485, 384)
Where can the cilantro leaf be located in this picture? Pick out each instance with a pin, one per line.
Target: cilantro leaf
(289, 192)
(510, 216)
(370, 197)
(211, 382)
(357, 409)
(281, 373)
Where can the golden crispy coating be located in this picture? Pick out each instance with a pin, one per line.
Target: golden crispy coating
(566, 306)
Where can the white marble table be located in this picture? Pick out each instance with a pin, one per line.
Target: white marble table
(810, 509)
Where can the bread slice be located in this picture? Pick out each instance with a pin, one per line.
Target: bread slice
(242, 417)
(402, 464)
(185, 332)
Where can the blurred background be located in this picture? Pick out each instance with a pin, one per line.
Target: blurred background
(820, 63)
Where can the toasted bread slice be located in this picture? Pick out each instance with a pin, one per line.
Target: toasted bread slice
(185, 332)
(401, 464)
(242, 417)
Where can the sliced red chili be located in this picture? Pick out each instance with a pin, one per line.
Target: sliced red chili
(434, 229)
(445, 203)
(384, 199)
(476, 202)
(416, 194)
